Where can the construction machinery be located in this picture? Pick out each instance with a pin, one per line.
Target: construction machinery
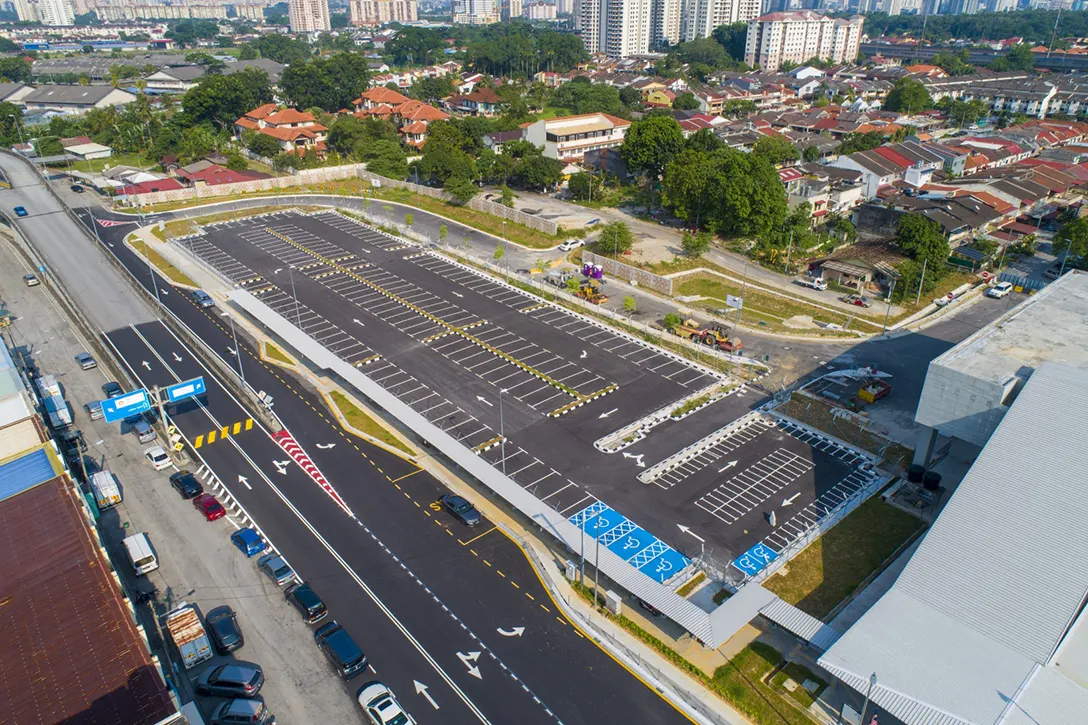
(590, 291)
(709, 336)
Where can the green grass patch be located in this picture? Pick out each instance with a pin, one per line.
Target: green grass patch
(689, 406)
(517, 233)
(832, 567)
(360, 421)
(798, 674)
(169, 271)
(691, 584)
(821, 414)
(721, 595)
(96, 166)
(343, 187)
(274, 353)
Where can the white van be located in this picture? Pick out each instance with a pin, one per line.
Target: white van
(192, 713)
(107, 493)
(141, 554)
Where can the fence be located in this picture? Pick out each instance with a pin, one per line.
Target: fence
(634, 275)
(482, 205)
(302, 178)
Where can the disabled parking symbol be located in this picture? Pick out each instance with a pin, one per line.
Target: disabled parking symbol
(755, 559)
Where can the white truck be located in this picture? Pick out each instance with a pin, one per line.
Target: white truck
(107, 493)
(816, 283)
(56, 407)
(189, 635)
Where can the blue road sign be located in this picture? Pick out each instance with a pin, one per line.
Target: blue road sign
(115, 409)
(187, 389)
(627, 546)
(665, 566)
(755, 559)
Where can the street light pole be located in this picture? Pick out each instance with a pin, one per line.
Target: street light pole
(502, 433)
(868, 692)
(22, 141)
(888, 312)
(298, 315)
(740, 307)
(237, 350)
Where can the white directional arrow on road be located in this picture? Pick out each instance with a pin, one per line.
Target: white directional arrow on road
(638, 458)
(242, 480)
(357, 322)
(467, 660)
(177, 358)
(689, 532)
(325, 446)
(458, 294)
(583, 355)
(421, 689)
(727, 466)
(232, 351)
(485, 401)
(281, 467)
(789, 501)
(163, 292)
(514, 632)
(146, 364)
(277, 270)
(605, 415)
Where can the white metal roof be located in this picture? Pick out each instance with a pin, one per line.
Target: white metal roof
(998, 579)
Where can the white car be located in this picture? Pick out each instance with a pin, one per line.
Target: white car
(381, 707)
(999, 290)
(158, 458)
(571, 244)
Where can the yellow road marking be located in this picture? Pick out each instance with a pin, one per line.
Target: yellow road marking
(211, 437)
(499, 572)
(237, 428)
(225, 432)
(466, 543)
(407, 475)
(249, 424)
(199, 441)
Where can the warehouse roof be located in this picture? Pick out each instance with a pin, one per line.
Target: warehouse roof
(72, 652)
(994, 589)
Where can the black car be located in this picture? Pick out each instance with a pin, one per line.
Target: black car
(186, 484)
(112, 389)
(77, 188)
(224, 630)
(340, 649)
(464, 511)
(236, 679)
(306, 601)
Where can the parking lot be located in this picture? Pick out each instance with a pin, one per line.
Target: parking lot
(527, 385)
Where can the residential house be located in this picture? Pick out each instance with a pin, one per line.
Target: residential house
(865, 266)
(496, 139)
(410, 116)
(269, 66)
(205, 173)
(481, 102)
(296, 131)
(907, 161)
(174, 80)
(571, 137)
(75, 99)
(14, 92)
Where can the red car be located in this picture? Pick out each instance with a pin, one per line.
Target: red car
(207, 504)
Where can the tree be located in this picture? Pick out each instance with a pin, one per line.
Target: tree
(630, 305)
(581, 96)
(908, 96)
(738, 108)
(281, 48)
(1019, 58)
(811, 154)
(500, 252)
(409, 220)
(15, 70)
(1072, 240)
(860, 142)
(733, 38)
(264, 145)
(196, 142)
(923, 240)
(443, 233)
(540, 172)
(630, 97)
(432, 89)
(237, 162)
(571, 284)
(386, 158)
(686, 102)
(223, 99)
(584, 187)
(704, 140)
(507, 197)
(187, 32)
(650, 144)
(696, 245)
(461, 188)
(615, 238)
(776, 149)
(330, 83)
(441, 164)
(954, 64)
(415, 46)
(671, 321)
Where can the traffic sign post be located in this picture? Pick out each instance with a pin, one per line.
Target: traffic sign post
(187, 389)
(119, 408)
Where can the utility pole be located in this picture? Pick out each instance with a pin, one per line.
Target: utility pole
(298, 315)
(789, 249)
(918, 297)
(888, 312)
(740, 308)
(502, 433)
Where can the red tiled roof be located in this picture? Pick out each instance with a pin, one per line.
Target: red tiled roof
(150, 187)
(72, 650)
(896, 158)
(289, 115)
(215, 175)
(414, 127)
(484, 95)
(246, 122)
(262, 111)
(381, 94)
(419, 111)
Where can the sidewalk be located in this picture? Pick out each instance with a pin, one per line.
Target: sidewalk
(545, 557)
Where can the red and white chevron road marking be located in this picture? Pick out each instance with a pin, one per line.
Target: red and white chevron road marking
(290, 446)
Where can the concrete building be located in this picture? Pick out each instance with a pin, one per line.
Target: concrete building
(801, 35)
(511, 9)
(987, 624)
(698, 18)
(174, 80)
(475, 12)
(308, 16)
(564, 7)
(75, 99)
(587, 23)
(379, 12)
(571, 137)
(57, 12)
(540, 11)
(27, 11)
(617, 28)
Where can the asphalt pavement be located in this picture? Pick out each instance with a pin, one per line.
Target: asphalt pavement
(551, 671)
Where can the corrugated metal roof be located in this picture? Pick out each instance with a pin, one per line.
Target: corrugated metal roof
(72, 652)
(1046, 700)
(999, 577)
(27, 471)
(803, 625)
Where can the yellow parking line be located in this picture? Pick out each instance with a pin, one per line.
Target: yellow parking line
(466, 543)
(199, 441)
(407, 475)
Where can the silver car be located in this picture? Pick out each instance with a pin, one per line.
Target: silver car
(243, 712)
(274, 566)
(237, 679)
(86, 361)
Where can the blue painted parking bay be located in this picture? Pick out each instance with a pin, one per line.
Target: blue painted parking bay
(630, 542)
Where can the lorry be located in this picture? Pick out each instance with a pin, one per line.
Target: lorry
(189, 635)
(107, 493)
(816, 283)
(53, 402)
(709, 336)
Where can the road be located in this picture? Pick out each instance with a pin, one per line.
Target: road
(451, 590)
